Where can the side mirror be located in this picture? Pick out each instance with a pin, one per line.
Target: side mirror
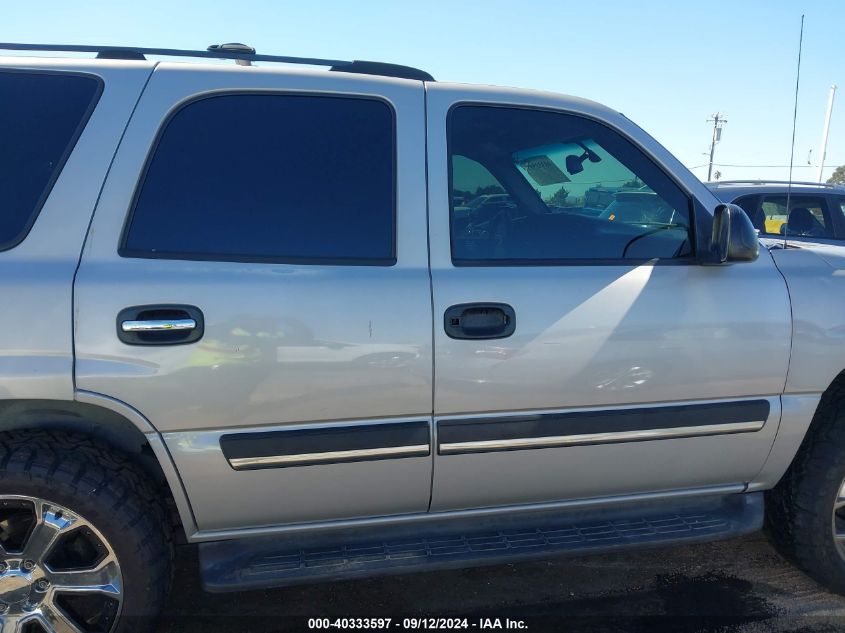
(734, 238)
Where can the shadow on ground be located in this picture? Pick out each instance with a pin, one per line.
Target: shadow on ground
(740, 586)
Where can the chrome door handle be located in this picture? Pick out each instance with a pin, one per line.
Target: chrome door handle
(159, 325)
(162, 324)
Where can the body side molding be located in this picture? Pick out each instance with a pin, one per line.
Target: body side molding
(548, 430)
(327, 445)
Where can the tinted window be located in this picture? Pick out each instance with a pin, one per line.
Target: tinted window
(476, 195)
(807, 216)
(751, 206)
(41, 116)
(748, 204)
(270, 178)
(531, 186)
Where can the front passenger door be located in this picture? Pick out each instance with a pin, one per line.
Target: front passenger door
(580, 348)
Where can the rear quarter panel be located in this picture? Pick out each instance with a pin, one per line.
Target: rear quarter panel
(36, 276)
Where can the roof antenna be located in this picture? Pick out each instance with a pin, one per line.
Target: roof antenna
(794, 121)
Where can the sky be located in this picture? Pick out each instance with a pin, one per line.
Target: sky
(668, 65)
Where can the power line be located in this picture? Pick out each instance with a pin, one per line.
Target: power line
(759, 166)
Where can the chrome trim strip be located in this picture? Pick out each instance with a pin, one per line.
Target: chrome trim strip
(599, 438)
(158, 325)
(242, 463)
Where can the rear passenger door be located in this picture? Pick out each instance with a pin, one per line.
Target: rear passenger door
(255, 283)
(581, 349)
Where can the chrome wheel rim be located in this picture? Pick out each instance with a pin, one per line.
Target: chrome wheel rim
(58, 573)
(839, 520)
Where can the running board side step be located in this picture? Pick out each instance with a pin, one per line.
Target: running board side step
(265, 562)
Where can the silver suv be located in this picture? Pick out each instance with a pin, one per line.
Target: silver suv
(251, 308)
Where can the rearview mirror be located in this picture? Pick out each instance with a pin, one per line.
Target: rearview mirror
(734, 238)
(574, 164)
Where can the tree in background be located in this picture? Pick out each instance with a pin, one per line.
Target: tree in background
(468, 196)
(838, 176)
(488, 190)
(558, 198)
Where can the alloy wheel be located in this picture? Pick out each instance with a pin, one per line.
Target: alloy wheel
(58, 574)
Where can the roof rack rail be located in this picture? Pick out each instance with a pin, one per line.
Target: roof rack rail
(239, 52)
(803, 183)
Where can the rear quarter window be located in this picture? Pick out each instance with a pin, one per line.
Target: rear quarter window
(41, 117)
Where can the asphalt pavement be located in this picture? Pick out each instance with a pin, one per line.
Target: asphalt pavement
(737, 586)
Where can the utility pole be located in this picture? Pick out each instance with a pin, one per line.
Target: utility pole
(825, 130)
(718, 121)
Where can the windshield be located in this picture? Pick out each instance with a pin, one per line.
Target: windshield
(599, 183)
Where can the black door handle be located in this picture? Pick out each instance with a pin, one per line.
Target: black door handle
(160, 325)
(479, 320)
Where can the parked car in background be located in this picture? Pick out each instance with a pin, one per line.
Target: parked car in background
(816, 211)
(638, 206)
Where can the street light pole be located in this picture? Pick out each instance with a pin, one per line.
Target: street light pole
(718, 121)
(825, 130)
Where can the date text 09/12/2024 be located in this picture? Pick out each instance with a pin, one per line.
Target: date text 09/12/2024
(417, 623)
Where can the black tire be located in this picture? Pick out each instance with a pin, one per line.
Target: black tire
(799, 511)
(104, 486)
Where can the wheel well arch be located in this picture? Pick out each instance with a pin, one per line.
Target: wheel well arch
(804, 416)
(100, 423)
(834, 391)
